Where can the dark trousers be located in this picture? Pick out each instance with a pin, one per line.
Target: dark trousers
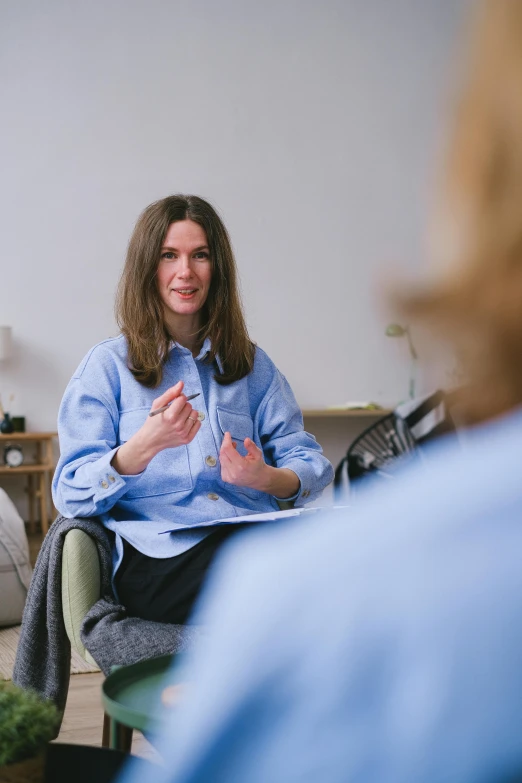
(164, 590)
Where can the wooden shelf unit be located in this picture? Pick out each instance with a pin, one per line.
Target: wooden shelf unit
(329, 413)
(41, 470)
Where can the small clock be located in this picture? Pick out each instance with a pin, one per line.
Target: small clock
(13, 456)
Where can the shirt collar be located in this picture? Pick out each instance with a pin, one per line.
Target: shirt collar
(205, 349)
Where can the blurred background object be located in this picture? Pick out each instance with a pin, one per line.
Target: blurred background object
(6, 343)
(18, 423)
(397, 330)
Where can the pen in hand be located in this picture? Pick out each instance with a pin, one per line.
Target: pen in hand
(164, 407)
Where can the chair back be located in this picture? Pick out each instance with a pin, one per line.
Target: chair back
(81, 585)
(374, 451)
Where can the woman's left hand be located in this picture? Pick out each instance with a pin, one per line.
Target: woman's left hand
(248, 471)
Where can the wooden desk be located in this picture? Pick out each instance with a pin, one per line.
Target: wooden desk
(39, 471)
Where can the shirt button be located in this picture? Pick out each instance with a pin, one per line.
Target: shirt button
(212, 496)
(211, 461)
(306, 493)
(104, 484)
(201, 415)
(112, 479)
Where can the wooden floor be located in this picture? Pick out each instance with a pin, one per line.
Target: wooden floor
(83, 718)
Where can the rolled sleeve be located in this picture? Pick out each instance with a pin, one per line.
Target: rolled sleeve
(287, 445)
(85, 483)
(311, 486)
(97, 480)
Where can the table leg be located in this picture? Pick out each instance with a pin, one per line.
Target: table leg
(49, 457)
(106, 736)
(54, 512)
(121, 736)
(30, 501)
(49, 460)
(43, 502)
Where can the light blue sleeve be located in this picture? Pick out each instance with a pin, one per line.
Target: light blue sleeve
(85, 484)
(286, 444)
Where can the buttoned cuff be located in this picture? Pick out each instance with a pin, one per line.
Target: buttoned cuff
(107, 483)
(306, 475)
(293, 497)
(286, 500)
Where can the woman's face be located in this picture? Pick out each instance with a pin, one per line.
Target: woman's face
(184, 273)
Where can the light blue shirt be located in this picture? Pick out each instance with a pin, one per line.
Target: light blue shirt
(181, 489)
(387, 650)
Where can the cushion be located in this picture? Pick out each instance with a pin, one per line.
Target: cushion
(81, 585)
(15, 567)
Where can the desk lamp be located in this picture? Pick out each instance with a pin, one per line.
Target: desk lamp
(397, 330)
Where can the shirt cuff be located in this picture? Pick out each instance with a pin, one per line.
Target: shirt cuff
(293, 497)
(106, 481)
(308, 482)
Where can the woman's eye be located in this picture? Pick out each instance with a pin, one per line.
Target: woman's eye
(168, 255)
(203, 254)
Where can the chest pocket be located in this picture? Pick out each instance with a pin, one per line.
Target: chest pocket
(240, 426)
(168, 472)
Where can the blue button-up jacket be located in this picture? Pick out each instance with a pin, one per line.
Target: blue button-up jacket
(181, 488)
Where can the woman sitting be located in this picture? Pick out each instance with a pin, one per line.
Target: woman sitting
(134, 452)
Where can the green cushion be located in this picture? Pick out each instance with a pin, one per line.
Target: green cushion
(81, 586)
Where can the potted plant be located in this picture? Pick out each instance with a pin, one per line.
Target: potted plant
(27, 724)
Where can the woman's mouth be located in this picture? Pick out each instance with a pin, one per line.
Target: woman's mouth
(185, 293)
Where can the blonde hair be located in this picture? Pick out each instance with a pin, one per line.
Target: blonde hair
(478, 309)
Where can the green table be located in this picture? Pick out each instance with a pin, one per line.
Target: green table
(132, 699)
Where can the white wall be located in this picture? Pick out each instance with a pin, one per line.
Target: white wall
(312, 126)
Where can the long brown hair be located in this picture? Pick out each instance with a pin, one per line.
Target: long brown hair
(478, 308)
(139, 310)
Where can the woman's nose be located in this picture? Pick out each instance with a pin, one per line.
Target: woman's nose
(184, 268)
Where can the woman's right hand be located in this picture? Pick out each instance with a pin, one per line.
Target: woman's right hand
(176, 426)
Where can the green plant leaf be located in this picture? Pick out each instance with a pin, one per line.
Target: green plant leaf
(395, 330)
(27, 723)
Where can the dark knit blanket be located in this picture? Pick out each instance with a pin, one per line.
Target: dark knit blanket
(43, 657)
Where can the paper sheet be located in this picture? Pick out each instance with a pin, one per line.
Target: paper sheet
(266, 516)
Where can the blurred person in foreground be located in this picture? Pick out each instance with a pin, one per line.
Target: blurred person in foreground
(386, 644)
